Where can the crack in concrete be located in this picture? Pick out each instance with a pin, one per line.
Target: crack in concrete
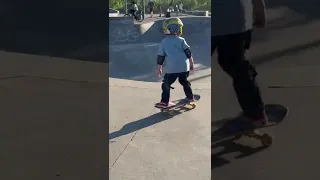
(55, 79)
(134, 135)
(136, 87)
(12, 77)
(297, 86)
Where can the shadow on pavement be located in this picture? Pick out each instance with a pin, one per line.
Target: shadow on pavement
(67, 30)
(259, 60)
(145, 122)
(229, 146)
(273, 56)
(307, 8)
(199, 78)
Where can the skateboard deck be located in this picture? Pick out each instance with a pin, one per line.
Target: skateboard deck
(179, 103)
(239, 126)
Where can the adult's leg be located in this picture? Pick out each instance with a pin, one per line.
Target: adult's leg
(168, 80)
(183, 80)
(231, 57)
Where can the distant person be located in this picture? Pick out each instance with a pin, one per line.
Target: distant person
(176, 10)
(232, 23)
(169, 10)
(179, 61)
(151, 7)
(133, 9)
(180, 7)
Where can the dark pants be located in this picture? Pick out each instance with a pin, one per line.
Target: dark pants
(169, 79)
(133, 13)
(231, 57)
(151, 10)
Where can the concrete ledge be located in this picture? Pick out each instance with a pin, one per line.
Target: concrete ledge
(17, 64)
(113, 15)
(198, 13)
(121, 20)
(150, 85)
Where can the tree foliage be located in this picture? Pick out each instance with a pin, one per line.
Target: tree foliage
(187, 4)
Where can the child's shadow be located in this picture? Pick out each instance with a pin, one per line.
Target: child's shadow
(145, 122)
(229, 147)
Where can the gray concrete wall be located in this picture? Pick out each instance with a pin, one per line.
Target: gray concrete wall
(55, 28)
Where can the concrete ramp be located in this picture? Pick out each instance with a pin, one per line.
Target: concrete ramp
(133, 47)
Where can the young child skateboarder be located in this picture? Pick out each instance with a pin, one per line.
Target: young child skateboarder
(232, 23)
(179, 61)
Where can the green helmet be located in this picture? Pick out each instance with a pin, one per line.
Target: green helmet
(173, 26)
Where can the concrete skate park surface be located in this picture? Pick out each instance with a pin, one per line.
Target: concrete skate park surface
(55, 31)
(53, 118)
(144, 143)
(286, 55)
(133, 47)
(53, 114)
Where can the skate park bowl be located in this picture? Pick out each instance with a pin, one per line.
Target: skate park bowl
(133, 47)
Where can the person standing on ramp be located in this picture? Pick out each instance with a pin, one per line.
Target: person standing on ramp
(176, 53)
(151, 7)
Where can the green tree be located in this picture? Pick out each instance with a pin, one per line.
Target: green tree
(187, 4)
(116, 4)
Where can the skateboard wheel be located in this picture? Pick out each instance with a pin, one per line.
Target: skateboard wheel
(170, 113)
(164, 110)
(266, 140)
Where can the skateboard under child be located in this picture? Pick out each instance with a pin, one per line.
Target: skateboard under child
(179, 103)
(239, 126)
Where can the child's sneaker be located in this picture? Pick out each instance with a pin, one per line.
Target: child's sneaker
(258, 121)
(190, 99)
(161, 105)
